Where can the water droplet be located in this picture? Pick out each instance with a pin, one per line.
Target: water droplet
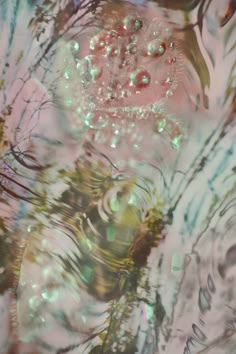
(140, 79)
(156, 48)
(96, 120)
(132, 23)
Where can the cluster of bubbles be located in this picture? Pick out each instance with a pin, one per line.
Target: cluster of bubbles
(119, 80)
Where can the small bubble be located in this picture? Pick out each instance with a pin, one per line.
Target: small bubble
(161, 125)
(112, 34)
(154, 29)
(132, 23)
(111, 96)
(169, 93)
(156, 48)
(176, 141)
(89, 69)
(95, 72)
(168, 80)
(140, 79)
(96, 120)
(131, 48)
(97, 42)
(112, 51)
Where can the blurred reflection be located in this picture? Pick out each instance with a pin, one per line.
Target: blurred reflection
(117, 177)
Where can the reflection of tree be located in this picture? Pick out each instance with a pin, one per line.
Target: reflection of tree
(113, 222)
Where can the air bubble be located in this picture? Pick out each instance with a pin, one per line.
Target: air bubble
(169, 93)
(98, 42)
(161, 124)
(89, 69)
(112, 51)
(132, 23)
(140, 79)
(154, 29)
(156, 48)
(131, 48)
(176, 141)
(96, 120)
(111, 96)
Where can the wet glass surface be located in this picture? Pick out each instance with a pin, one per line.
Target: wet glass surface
(117, 177)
